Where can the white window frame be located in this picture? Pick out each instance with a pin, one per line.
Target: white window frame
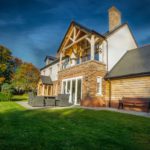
(101, 82)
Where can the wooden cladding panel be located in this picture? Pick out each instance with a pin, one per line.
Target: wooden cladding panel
(131, 87)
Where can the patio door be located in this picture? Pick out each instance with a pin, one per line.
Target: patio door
(73, 86)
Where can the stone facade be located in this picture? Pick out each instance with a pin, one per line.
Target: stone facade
(89, 70)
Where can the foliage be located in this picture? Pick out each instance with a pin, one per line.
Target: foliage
(6, 63)
(26, 77)
(75, 129)
(2, 79)
(23, 97)
(7, 90)
(5, 97)
(17, 63)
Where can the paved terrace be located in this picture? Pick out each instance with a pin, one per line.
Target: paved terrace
(143, 114)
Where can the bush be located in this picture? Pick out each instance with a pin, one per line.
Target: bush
(6, 92)
(4, 97)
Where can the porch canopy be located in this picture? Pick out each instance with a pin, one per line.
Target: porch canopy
(45, 86)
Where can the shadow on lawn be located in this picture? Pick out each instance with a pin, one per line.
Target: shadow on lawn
(71, 129)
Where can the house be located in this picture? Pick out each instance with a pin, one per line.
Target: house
(83, 60)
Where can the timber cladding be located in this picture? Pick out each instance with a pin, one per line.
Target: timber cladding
(89, 71)
(129, 87)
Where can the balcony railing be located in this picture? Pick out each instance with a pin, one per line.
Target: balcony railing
(68, 63)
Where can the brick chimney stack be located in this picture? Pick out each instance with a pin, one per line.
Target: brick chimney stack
(114, 18)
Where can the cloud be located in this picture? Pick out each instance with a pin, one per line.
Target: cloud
(35, 28)
(13, 21)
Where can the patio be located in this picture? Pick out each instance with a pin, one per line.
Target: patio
(27, 106)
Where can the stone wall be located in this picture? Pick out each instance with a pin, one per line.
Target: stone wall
(89, 70)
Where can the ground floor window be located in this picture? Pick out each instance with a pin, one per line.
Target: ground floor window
(99, 85)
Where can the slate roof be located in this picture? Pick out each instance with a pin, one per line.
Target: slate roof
(46, 80)
(134, 63)
(52, 63)
(50, 57)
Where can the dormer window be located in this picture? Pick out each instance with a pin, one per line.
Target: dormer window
(49, 59)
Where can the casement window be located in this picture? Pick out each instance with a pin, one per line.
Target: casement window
(99, 85)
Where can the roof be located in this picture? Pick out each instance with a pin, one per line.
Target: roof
(52, 63)
(114, 30)
(50, 58)
(82, 27)
(46, 80)
(135, 62)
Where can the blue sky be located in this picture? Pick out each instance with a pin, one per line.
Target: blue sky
(33, 29)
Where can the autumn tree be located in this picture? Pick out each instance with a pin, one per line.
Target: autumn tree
(6, 64)
(26, 77)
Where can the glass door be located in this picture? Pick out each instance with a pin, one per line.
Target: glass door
(79, 84)
(73, 91)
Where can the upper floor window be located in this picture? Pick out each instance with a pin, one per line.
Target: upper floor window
(96, 56)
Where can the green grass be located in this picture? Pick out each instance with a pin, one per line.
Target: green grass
(23, 97)
(71, 129)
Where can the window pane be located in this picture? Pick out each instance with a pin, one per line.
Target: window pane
(64, 87)
(68, 87)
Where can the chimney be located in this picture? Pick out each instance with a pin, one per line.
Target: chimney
(114, 18)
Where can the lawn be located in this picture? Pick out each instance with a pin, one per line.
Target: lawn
(23, 97)
(71, 129)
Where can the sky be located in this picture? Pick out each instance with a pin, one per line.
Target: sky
(32, 29)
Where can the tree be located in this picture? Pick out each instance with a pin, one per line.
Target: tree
(26, 77)
(6, 64)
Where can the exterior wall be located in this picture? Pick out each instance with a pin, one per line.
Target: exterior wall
(53, 74)
(118, 43)
(89, 70)
(130, 87)
(55, 88)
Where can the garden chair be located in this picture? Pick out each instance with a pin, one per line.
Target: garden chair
(62, 100)
(38, 101)
(31, 98)
(50, 101)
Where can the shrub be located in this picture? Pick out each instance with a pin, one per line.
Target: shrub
(4, 97)
(6, 92)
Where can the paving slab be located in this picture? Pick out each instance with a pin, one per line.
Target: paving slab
(144, 114)
(27, 106)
